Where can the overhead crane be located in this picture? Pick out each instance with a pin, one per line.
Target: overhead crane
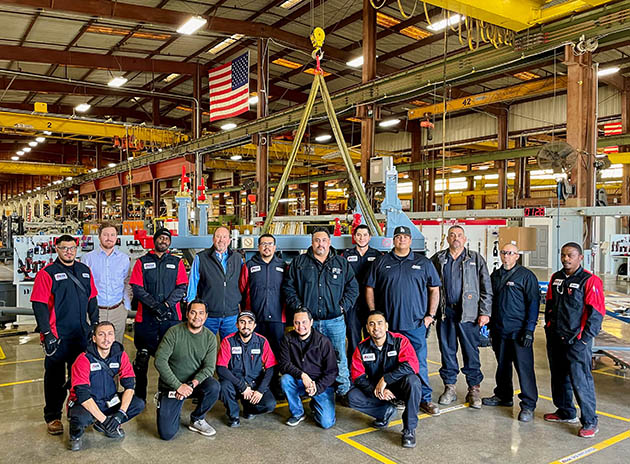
(41, 169)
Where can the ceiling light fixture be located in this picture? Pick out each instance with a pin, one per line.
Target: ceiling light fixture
(236, 157)
(192, 25)
(47, 133)
(607, 71)
(19, 153)
(253, 100)
(228, 126)
(32, 144)
(26, 149)
(94, 170)
(356, 62)
(15, 158)
(171, 77)
(323, 138)
(289, 4)
(117, 81)
(438, 26)
(40, 139)
(83, 107)
(389, 122)
(111, 165)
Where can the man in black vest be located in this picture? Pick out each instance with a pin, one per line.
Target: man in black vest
(214, 278)
(514, 314)
(246, 366)
(573, 318)
(64, 298)
(158, 281)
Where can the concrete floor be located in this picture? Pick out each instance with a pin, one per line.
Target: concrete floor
(459, 435)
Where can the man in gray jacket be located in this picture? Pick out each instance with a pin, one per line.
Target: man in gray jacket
(465, 306)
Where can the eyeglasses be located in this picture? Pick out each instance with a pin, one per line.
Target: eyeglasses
(266, 244)
(66, 248)
(508, 253)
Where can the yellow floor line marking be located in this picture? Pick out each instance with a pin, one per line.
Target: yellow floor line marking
(612, 416)
(20, 382)
(282, 404)
(19, 362)
(610, 374)
(2, 355)
(434, 362)
(128, 337)
(593, 449)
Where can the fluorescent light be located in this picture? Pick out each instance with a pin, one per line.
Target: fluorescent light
(356, 62)
(32, 144)
(389, 122)
(289, 4)
(26, 149)
(171, 77)
(47, 132)
(228, 126)
(83, 107)
(94, 170)
(15, 158)
(28, 191)
(456, 171)
(19, 153)
(104, 203)
(117, 81)
(190, 26)
(38, 188)
(40, 139)
(444, 22)
(69, 178)
(323, 138)
(225, 43)
(253, 100)
(607, 71)
(236, 157)
(483, 168)
(111, 165)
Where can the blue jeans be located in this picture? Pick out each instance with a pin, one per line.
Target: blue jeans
(224, 325)
(322, 405)
(335, 330)
(418, 340)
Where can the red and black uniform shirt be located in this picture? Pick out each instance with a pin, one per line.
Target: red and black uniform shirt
(247, 362)
(156, 279)
(91, 379)
(575, 305)
(67, 304)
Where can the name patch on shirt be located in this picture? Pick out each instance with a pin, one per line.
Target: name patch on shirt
(415, 266)
(369, 357)
(353, 259)
(510, 284)
(114, 365)
(86, 275)
(371, 258)
(60, 276)
(170, 266)
(472, 263)
(149, 265)
(279, 269)
(237, 350)
(255, 351)
(336, 270)
(574, 285)
(95, 367)
(392, 353)
(255, 269)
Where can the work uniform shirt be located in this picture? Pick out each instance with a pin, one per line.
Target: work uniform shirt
(157, 280)
(453, 279)
(400, 288)
(575, 306)
(361, 266)
(69, 306)
(261, 286)
(516, 301)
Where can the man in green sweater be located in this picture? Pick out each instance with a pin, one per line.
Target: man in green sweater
(186, 360)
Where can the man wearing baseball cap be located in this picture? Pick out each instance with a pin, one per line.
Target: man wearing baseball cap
(158, 281)
(405, 286)
(245, 366)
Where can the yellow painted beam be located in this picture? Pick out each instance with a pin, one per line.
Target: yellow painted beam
(40, 169)
(230, 165)
(619, 158)
(86, 127)
(515, 92)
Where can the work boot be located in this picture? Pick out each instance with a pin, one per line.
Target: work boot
(75, 444)
(448, 396)
(473, 398)
(55, 427)
(430, 408)
(494, 400)
(384, 422)
(408, 439)
(526, 415)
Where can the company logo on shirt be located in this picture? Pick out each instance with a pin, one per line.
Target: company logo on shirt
(61, 276)
(510, 284)
(392, 353)
(353, 259)
(279, 269)
(255, 351)
(114, 365)
(149, 265)
(170, 266)
(86, 275)
(237, 350)
(558, 281)
(95, 367)
(371, 258)
(255, 269)
(574, 285)
(415, 266)
(369, 357)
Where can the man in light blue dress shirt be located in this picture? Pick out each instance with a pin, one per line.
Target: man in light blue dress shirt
(110, 268)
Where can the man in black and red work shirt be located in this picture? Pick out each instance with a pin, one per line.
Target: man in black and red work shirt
(245, 366)
(573, 317)
(158, 281)
(384, 368)
(64, 299)
(94, 397)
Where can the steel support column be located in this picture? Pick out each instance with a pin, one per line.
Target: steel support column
(431, 196)
(321, 197)
(502, 131)
(625, 127)
(155, 193)
(262, 139)
(236, 195)
(155, 112)
(416, 175)
(368, 74)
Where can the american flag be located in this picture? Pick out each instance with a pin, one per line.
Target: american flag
(229, 88)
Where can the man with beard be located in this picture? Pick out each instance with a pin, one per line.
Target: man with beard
(65, 307)
(158, 281)
(110, 268)
(214, 277)
(246, 366)
(360, 258)
(324, 282)
(573, 318)
(185, 361)
(94, 397)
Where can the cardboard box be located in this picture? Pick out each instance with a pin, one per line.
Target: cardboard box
(524, 237)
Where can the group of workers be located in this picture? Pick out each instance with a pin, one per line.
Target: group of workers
(332, 300)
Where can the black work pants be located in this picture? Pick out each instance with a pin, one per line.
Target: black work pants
(81, 418)
(408, 389)
(169, 410)
(571, 373)
(230, 397)
(55, 381)
(510, 352)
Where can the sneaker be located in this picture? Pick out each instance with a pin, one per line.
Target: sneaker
(55, 427)
(249, 415)
(448, 396)
(430, 408)
(119, 433)
(526, 415)
(588, 431)
(472, 398)
(202, 427)
(408, 439)
(554, 417)
(494, 400)
(75, 444)
(382, 423)
(233, 422)
(293, 420)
